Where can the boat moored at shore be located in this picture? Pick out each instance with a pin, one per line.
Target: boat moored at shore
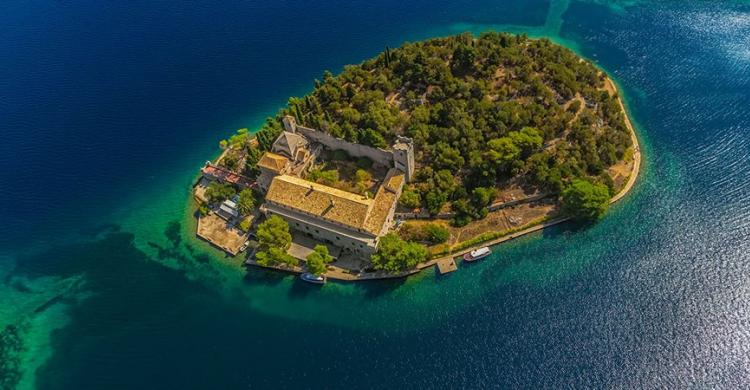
(477, 254)
(311, 278)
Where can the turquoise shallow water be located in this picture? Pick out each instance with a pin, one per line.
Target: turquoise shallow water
(110, 109)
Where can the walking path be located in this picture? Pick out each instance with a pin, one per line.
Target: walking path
(628, 186)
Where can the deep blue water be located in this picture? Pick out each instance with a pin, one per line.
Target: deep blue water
(107, 109)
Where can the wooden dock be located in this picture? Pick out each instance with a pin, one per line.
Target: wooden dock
(446, 265)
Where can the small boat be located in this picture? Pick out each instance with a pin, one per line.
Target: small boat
(310, 278)
(477, 254)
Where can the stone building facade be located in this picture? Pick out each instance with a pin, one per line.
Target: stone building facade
(347, 220)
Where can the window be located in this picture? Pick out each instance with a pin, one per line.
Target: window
(316, 231)
(338, 238)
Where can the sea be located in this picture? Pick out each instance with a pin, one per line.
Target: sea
(108, 109)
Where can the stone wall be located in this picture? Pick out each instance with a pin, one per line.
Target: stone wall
(379, 156)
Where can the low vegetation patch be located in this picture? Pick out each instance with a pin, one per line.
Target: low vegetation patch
(431, 232)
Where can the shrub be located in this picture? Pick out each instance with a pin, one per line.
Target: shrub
(410, 199)
(436, 234)
(329, 177)
(245, 224)
(431, 232)
(203, 209)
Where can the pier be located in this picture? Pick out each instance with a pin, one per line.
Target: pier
(446, 265)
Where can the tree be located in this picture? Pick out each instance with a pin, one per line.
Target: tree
(274, 233)
(317, 260)
(219, 192)
(585, 201)
(268, 133)
(410, 199)
(479, 107)
(447, 157)
(251, 162)
(371, 137)
(246, 201)
(396, 255)
(528, 140)
(502, 152)
(463, 59)
(229, 161)
(483, 197)
(434, 200)
(275, 256)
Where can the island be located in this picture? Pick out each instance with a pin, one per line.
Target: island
(420, 155)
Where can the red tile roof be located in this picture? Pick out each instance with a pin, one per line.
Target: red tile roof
(218, 173)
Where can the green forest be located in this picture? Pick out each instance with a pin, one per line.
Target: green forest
(481, 110)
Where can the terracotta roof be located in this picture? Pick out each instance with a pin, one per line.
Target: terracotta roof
(272, 161)
(328, 203)
(219, 173)
(321, 201)
(385, 199)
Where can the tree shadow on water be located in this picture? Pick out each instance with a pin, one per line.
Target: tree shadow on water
(259, 276)
(380, 287)
(301, 289)
(99, 230)
(173, 233)
(566, 228)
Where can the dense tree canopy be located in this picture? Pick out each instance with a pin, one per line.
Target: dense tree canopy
(481, 110)
(317, 260)
(274, 239)
(274, 233)
(219, 192)
(585, 201)
(395, 254)
(246, 201)
(274, 256)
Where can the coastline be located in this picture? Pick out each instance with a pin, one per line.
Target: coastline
(635, 171)
(341, 274)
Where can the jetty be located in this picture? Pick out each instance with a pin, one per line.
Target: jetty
(446, 265)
